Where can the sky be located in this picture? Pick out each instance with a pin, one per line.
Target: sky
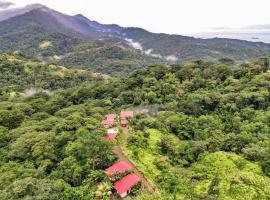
(167, 16)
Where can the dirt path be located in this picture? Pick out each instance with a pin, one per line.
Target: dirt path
(119, 153)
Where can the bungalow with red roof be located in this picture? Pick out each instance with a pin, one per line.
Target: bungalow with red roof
(110, 136)
(111, 116)
(108, 123)
(124, 185)
(126, 114)
(123, 123)
(119, 167)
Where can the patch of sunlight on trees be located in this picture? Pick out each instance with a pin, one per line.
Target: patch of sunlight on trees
(56, 57)
(147, 156)
(45, 45)
(13, 94)
(58, 70)
(155, 136)
(146, 163)
(228, 174)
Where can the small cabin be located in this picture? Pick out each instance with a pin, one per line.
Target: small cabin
(124, 185)
(126, 114)
(111, 116)
(124, 123)
(120, 167)
(108, 123)
(110, 136)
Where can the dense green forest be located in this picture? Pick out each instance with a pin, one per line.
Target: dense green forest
(19, 73)
(39, 34)
(201, 130)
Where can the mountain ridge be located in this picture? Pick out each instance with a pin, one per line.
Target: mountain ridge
(70, 31)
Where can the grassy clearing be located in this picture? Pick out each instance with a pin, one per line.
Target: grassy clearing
(146, 158)
(45, 45)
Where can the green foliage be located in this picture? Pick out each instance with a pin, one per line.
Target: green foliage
(201, 130)
(41, 35)
(228, 175)
(214, 132)
(188, 48)
(45, 45)
(11, 119)
(19, 74)
(50, 148)
(264, 61)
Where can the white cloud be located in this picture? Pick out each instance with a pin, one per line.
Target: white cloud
(135, 45)
(149, 52)
(172, 58)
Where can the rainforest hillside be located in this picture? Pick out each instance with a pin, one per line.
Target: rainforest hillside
(37, 33)
(19, 73)
(201, 130)
(77, 41)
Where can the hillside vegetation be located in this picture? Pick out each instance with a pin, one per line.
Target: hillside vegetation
(201, 131)
(19, 73)
(76, 41)
(184, 48)
(38, 33)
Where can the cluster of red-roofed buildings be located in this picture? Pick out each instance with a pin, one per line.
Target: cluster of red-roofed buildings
(112, 120)
(125, 184)
(109, 121)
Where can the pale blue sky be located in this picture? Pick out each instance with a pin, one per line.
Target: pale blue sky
(170, 16)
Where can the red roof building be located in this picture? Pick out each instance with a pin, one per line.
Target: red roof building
(124, 185)
(107, 122)
(110, 136)
(123, 123)
(111, 116)
(126, 114)
(120, 167)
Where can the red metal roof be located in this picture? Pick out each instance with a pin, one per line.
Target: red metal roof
(110, 136)
(123, 122)
(120, 167)
(126, 183)
(111, 116)
(107, 122)
(125, 114)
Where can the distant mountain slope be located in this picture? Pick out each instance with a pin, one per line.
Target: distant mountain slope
(54, 37)
(184, 48)
(108, 58)
(5, 5)
(78, 41)
(10, 11)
